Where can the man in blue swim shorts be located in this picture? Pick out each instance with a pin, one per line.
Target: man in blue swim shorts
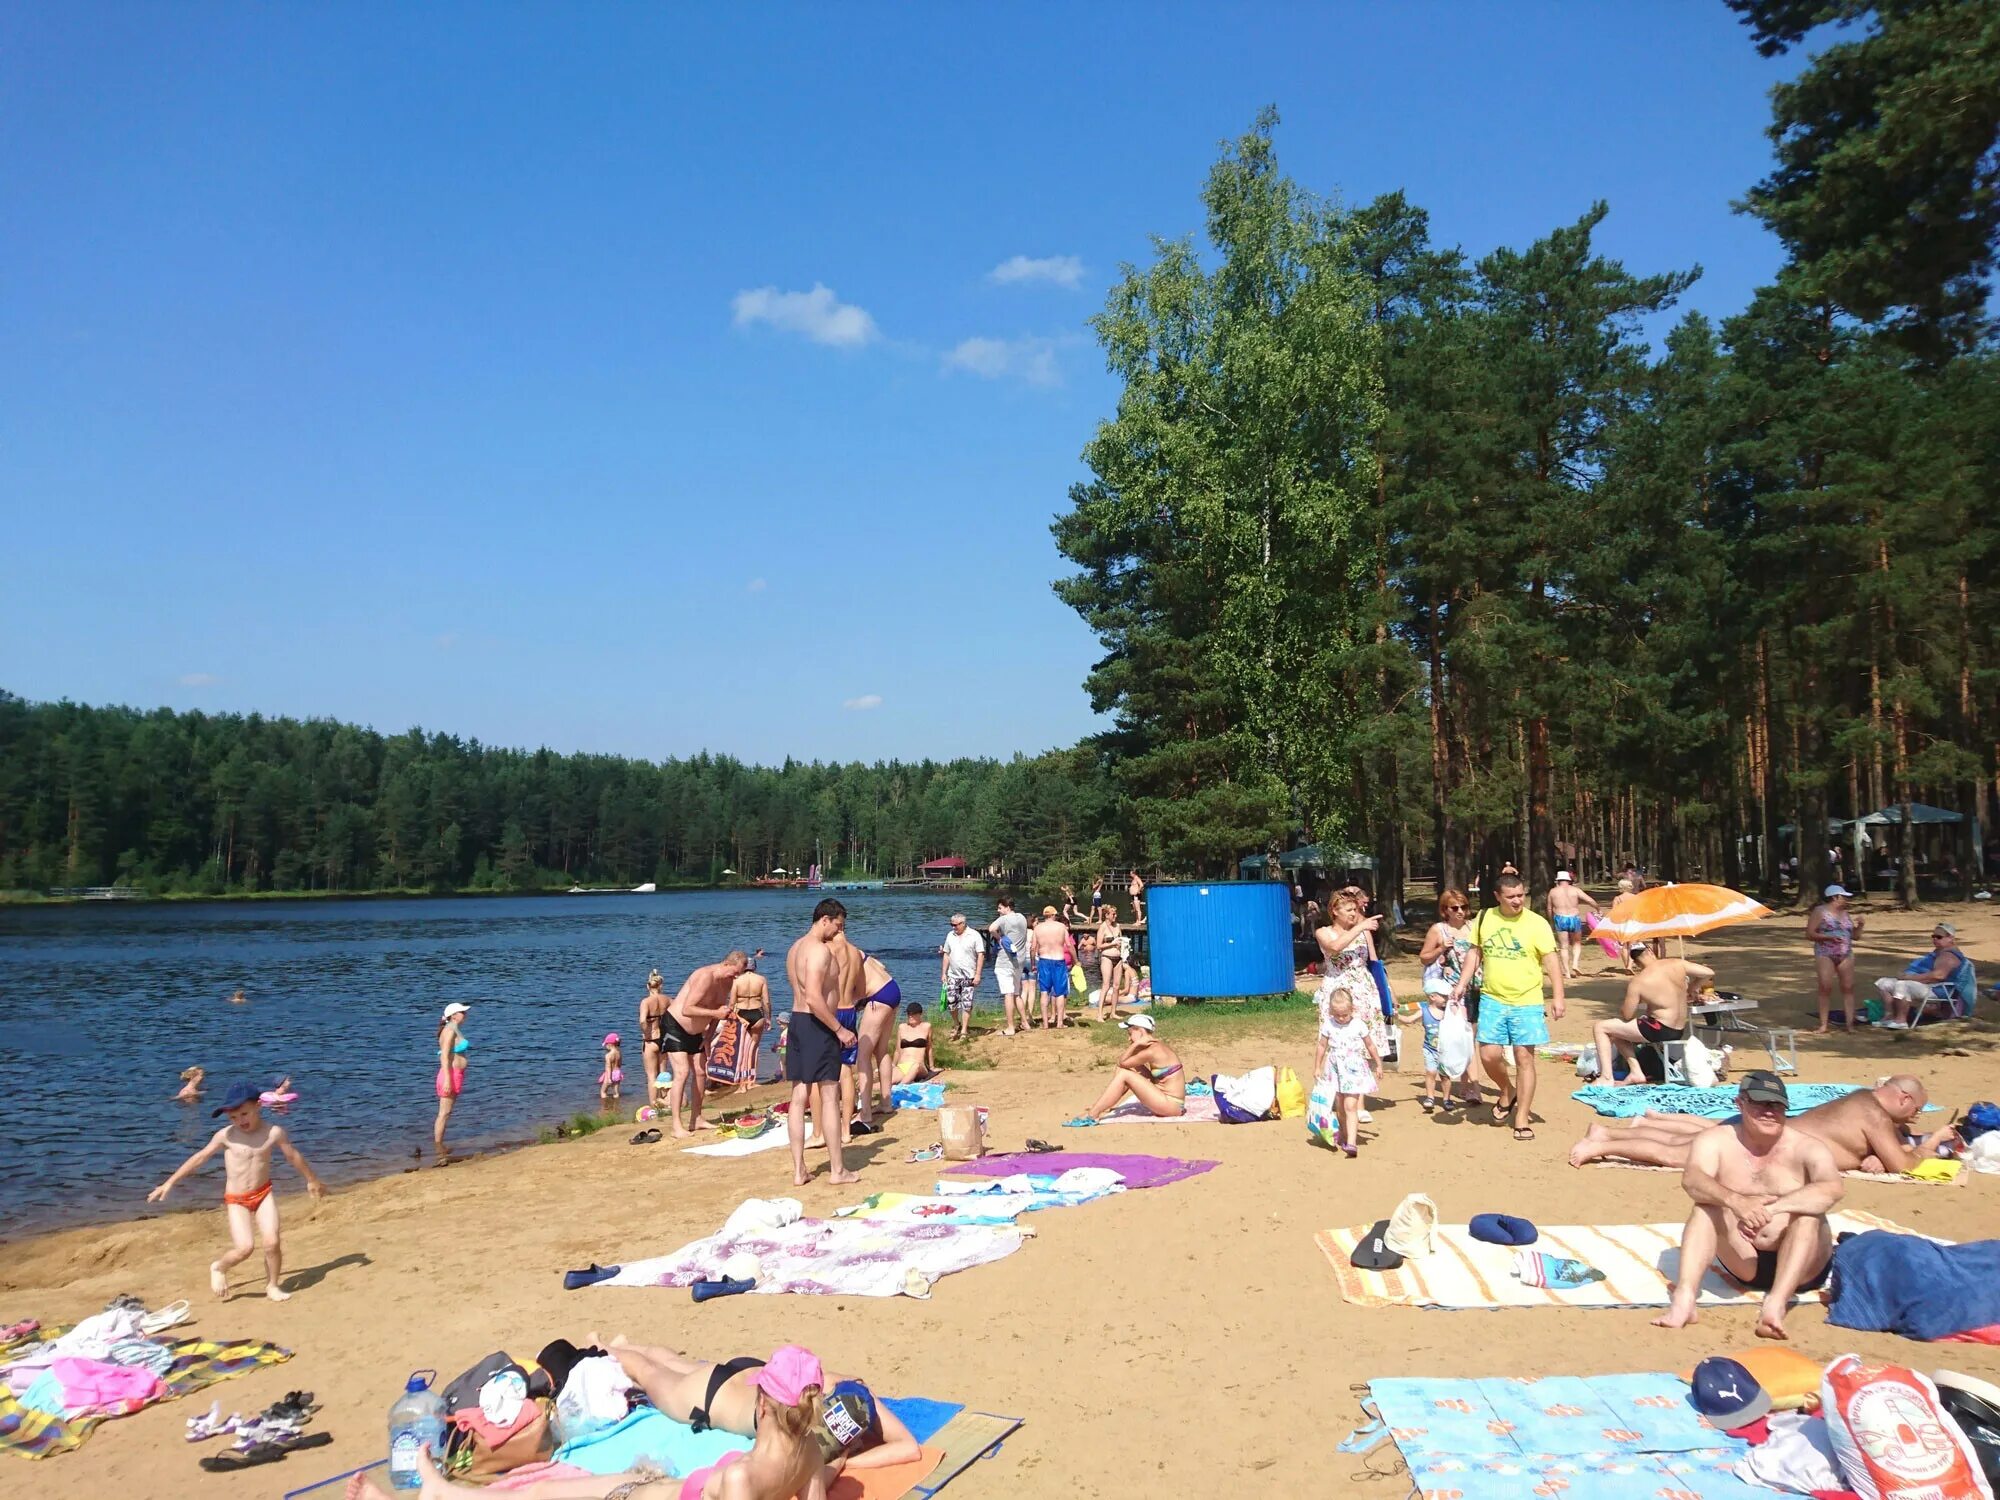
(1048, 942)
(1512, 950)
(1567, 900)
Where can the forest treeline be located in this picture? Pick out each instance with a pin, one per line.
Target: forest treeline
(1474, 557)
(220, 803)
(1457, 556)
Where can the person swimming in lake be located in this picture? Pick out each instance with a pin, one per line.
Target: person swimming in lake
(613, 1075)
(238, 998)
(246, 1144)
(1149, 1071)
(914, 1059)
(190, 1085)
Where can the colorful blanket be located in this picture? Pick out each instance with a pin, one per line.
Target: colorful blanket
(1627, 1101)
(917, 1096)
(1200, 1111)
(832, 1257)
(1137, 1171)
(1615, 1437)
(730, 1057)
(196, 1363)
(1640, 1263)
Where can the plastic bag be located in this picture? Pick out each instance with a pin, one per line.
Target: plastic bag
(1291, 1095)
(1892, 1436)
(1322, 1117)
(1254, 1096)
(1700, 1063)
(1454, 1043)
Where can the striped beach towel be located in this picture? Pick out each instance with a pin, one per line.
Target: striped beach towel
(1639, 1262)
(197, 1363)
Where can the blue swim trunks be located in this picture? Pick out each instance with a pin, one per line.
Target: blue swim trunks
(1569, 924)
(1052, 974)
(849, 1016)
(1512, 1025)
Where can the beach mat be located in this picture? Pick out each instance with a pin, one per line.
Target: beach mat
(1615, 1437)
(1639, 1261)
(1626, 1101)
(852, 1257)
(198, 1363)
(1903, 1177)
(770, 1140)
(1137, 1171)
(962, 1442)
(1200, 1111)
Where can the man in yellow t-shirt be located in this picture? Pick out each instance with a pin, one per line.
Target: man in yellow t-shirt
(1513, 949)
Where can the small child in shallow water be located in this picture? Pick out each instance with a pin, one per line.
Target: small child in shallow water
(614, 1070)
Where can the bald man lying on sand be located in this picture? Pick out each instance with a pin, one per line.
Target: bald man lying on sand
(1865, 1131)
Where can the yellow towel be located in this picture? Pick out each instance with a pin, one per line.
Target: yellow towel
(1936, 1169)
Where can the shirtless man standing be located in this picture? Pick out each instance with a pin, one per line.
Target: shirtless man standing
(1762, 1190)
(1655, 1011)
(1567, 900)
(812, 1051)
(684, 1027)
(849, 966)
(1046, 943)
(1865, 1131)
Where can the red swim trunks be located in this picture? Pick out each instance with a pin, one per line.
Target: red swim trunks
(251, 1199)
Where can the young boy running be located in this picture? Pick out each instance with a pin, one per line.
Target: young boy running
(246, 1143)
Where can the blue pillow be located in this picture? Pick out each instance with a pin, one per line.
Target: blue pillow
(1502, 1229)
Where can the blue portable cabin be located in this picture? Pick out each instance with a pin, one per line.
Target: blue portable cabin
(1220, 939)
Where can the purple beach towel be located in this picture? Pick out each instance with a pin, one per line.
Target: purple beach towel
(1138, 1171)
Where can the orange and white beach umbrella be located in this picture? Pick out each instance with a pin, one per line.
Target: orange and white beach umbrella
(1682, 911)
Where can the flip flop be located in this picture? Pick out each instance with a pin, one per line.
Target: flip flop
(1524, 1132)
(13, 1333)
(927, 1153)
(1079, 1123)
(171, 1316)
(263, 1453)
(646, 1138)
(1037, 1147)
(1502, 1111)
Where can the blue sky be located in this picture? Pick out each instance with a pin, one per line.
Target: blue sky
(642, 379)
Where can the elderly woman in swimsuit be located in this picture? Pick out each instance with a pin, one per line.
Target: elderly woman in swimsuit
(1832, 929)
(1150, 1071)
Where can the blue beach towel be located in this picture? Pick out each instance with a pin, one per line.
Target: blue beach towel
(1903, 1283)
(679, 1449)
(917, 1096)
(1629, 1101)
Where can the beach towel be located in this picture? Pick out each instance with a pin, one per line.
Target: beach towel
(1628, 1101)
(1639, 1262)
(1922, 1178)
(1136, 1171)
(917, 1096)
(730, 1057)
(929, 1208)
(1889, 1283)
(1200, 1111)
(1615, 1437)
(769, 1140)
(831, 1257)
(196, 1363)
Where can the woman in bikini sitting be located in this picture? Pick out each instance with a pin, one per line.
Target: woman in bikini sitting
(914, 1059)
(1150, 1071)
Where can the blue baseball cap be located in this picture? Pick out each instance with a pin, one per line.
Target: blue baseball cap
(239, 1095)
(1728, 1394)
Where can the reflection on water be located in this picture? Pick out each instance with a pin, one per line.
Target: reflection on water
(102, 1006)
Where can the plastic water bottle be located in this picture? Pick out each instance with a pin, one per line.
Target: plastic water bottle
(416, 1422)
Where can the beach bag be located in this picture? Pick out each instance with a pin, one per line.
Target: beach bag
(475, 1456)
(1893, 1437)
(1079, 982)
(1291, 1095)
(1322, 1117)
(1979, 1118)
(1252, 1097)
(962, 1128)
(1412, 1227)
(1586, 1065)
(1702, 1065)
(1454, 1043)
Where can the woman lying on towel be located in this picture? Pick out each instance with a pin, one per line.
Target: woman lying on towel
(1150, 1071)
(724, 1396)
(804, 1433)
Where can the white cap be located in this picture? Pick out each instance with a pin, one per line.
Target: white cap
(1138, 1023)
(1837, 890)
(455, 1009)
(1562, 875)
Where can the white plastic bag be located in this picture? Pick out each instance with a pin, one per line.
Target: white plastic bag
(1454, 1043)
(1702, 1071)
(1322, 1118)
(1894, 1441)
(1255, 1093)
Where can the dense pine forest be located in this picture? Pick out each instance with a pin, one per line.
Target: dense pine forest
(1457, 555)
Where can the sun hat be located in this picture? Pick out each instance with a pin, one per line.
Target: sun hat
(1411, 1226)
(1727, 1394)
(610, 1038)
(1562, 875)
(239, 1095)
(456, 1008)
(1372, 1252)
(846, 1417)
(790, 1370)
(1139, 1023)
(1763, 1087)
(1502, 1229)
(1837, 890)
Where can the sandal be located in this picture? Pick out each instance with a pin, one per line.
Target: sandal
(1079, 1123)
(1038, 1147)
(928, 1153)
(1501, 1110)
(13, 1333)
(646, 1138)
(1524, 1132)
(171, 1316)
(262, 1453)
(1427, 1104)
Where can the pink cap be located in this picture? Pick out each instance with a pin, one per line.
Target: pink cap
(789, 1372)
(610, 1038)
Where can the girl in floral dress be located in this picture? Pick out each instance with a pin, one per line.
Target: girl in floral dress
(1348, 1060)
(1348, 943)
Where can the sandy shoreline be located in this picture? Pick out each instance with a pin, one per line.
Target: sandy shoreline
(1192, 1334)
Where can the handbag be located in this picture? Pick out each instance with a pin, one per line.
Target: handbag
(1291, 1095)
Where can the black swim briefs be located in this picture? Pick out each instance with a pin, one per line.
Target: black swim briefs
(675, 1037)
(1767, 1273)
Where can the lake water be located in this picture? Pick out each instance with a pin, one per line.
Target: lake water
(102, 1006)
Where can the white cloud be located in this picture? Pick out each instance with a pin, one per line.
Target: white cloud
(866, 700)
(199, 679)
(1062, 270)
(1030, 360)
(755, 586)
(818, 314)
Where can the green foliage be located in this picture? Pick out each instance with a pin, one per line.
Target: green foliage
(959, 1057)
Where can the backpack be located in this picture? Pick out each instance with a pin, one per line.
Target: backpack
(1979, 1119)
